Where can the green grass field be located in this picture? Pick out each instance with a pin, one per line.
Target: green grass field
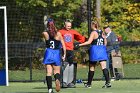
(121, 86)
(130, 71)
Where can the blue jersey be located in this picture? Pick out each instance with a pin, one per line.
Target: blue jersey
(52, 52)
(98, 49)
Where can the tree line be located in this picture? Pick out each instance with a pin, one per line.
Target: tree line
(26, 16)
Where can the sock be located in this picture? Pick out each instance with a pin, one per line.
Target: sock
(106, 74)
(49, 82)
(57, 76)
(90, 77)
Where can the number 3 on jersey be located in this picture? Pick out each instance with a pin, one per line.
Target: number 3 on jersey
(52, 44)
(100, 41)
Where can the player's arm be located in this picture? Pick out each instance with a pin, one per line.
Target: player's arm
(89, 40)
(105, 40)
(63, 45)
(45, 35)
(78, 37)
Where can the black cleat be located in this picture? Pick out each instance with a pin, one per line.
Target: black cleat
(64, 85)
(71, 85)
(107, 85)
(87, 85)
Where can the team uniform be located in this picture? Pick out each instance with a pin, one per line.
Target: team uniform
(98, 49)
(69, 76)
(98, 53)
(69, 37)
(52, 52)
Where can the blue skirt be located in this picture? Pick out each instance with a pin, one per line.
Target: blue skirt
(52, 56)
(98, 53)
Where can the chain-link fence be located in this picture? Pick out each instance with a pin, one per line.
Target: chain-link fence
(25, 47)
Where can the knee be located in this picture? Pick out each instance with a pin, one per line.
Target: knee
(49, 72)
(103, 65)
(92, 69)
(57, 76)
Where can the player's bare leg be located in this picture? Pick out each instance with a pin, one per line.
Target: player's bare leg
(106, 74)
(57, 77)
(49, 78)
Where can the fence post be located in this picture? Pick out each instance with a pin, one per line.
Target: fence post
(89, 16)
(30, 62)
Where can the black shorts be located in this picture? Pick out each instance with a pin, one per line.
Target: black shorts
(69, 56)
(94, 62)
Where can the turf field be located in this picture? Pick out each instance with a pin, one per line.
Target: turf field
(130, 71)
(121, 86)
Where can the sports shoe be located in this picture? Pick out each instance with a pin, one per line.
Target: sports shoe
(87, 85)
(57, 83)
(71, 85)
(50, 91)
(113, 79)
(107, 85)
(64, 85)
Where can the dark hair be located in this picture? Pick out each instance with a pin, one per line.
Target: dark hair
(51, 28)
(106, 26)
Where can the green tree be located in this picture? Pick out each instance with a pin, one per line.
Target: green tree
(123, 16)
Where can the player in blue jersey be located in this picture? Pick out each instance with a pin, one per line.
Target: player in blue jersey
(97, 53)
(52, 56)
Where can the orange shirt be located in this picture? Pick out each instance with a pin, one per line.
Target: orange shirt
(69, 37)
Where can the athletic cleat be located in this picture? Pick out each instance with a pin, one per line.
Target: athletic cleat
(113, 79)
(107, 85)
(71, 85)
(64, 85)
(50, 91)
(57, 83)
(87, 85)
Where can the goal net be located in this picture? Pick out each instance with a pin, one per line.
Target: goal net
(24, 29)
(3, 47)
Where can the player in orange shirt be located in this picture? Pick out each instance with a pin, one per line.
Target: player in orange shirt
(69, 36)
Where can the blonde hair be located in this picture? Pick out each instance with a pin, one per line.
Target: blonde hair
(96, 24)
